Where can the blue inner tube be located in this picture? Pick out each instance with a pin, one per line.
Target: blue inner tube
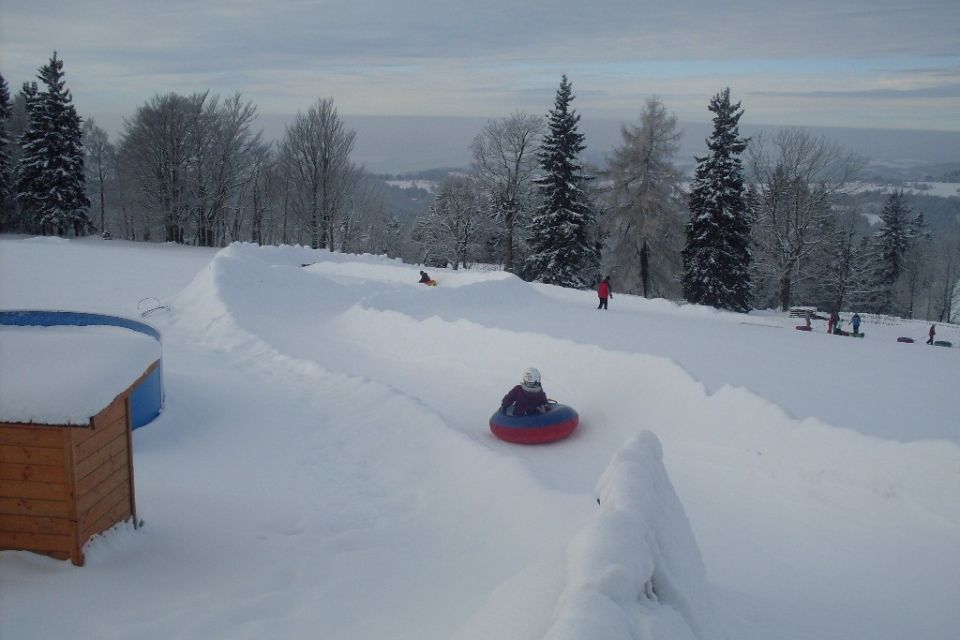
(557, 421)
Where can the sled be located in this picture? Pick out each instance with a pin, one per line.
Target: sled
(905, 339)
(803, 327)
(430, 283)
(942, 343)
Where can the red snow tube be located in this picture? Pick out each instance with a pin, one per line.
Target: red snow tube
(554, 422)
(803, 327)
(905, 339)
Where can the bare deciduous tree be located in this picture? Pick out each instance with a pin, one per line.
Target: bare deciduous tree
(504, 162)
(156, 156)
(449, 231)
(316, 156)
(794, 179)
(100, 164)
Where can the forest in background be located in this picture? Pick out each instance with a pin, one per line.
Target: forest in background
(196, 169)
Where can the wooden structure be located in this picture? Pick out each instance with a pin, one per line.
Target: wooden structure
(62, 484)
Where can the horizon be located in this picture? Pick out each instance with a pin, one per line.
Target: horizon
(889, 67)
(409, 144)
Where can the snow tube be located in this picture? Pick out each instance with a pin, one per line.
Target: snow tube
(803, 327)
(942, 343)
(905, 339)
(554, 422)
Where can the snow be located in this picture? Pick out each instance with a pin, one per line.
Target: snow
(427, 185)
(938, 189)
(66, 375)
(323, 467)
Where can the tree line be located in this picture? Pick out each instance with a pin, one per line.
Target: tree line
(765, 222)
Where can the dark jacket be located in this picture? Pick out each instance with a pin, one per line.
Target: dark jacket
(424, 277)
(524, 402)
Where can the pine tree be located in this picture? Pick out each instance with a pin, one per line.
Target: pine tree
(893, 242)
(716, 260)
(560, 230)
(51, 177)
(27, 173)
(6, 187)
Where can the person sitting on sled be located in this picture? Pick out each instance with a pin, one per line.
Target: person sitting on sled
(424, 278)
(525, 398)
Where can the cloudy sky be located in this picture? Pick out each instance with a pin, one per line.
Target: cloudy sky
(846, 63)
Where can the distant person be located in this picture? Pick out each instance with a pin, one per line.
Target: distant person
(806, 317)
(933, 332)
(604, 292)
(833, 322)
(527, 397)
(855, 321)
(424, 278)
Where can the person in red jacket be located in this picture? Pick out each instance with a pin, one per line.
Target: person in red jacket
(603, 292)
(525, 398)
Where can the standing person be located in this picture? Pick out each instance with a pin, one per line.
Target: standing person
(603, 292)
(933, 332)
(855, 321)
(527, 397)
(832, 322)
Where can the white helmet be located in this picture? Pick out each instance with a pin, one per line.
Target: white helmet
(531, 377)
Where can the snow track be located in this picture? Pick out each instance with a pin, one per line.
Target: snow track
(443, 375)
(323, 466)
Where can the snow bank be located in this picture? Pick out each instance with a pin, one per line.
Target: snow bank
(635, 572)
(66, 375)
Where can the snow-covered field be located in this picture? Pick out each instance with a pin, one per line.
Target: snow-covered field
(939, 189)
(323, 467)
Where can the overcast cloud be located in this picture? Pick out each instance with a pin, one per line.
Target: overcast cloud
(881, 63)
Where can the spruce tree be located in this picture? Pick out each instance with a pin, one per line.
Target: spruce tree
(51, 177)
(893, 242)
(560, 230)
(28, 187)
(716, 259)
(6, 187)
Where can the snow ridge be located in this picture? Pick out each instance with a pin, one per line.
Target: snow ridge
(635, 572)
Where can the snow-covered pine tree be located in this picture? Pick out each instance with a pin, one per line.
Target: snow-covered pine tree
(893, 243)
(562, 249)
(28, 189)
(6, 175)
(716, 259)
(51, 177)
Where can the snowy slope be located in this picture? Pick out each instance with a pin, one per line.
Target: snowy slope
(323, 466)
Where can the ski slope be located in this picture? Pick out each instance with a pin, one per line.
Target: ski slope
(323, 466)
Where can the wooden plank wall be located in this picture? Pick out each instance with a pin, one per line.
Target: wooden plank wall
(60, 485)
(36, 510)
(103, 468)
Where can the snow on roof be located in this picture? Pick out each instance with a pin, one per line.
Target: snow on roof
(66, 375)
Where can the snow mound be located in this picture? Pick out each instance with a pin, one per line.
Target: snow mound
(635, 571)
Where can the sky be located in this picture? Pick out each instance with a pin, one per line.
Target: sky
(881, 64)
